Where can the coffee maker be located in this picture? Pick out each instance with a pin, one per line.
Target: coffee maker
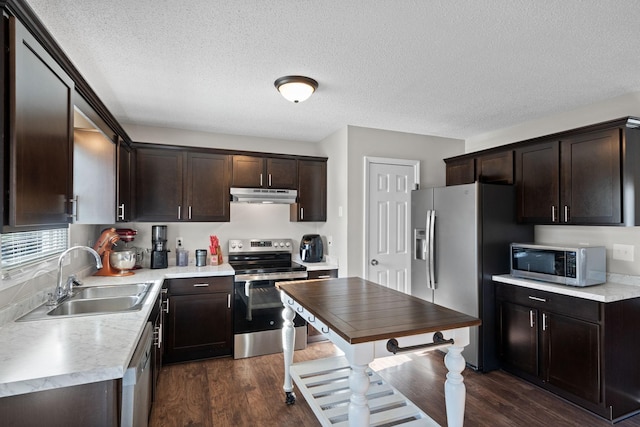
(159, 251)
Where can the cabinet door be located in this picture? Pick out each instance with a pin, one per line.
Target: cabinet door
(571, 355)
(158, 184)
(248, 172)
(312, 192)
(40, 134)
(462, 171)
(207, 187)
(495, 167)
(591, 192)
(519, 337)
(537, 183)
(198, 326)
(123, 186)
(282, 173)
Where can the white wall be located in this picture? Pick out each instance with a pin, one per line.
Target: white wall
(626, 105)
(335, 148)
(429, 150)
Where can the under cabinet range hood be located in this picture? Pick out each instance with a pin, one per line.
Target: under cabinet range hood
(263, 195)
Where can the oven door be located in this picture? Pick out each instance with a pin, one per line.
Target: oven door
(258, 307)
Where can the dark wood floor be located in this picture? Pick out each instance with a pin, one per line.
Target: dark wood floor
(248, 392)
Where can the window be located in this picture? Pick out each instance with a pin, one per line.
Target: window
(28, 247)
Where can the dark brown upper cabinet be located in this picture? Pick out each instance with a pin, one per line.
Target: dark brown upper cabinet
(461, 171)
(495, 167)
(312, 192)
(181, 185)
(39, 119)
(124, 185)
(264, 172)
(573, 181)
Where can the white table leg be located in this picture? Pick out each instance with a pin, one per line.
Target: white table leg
(358, 406)
(454, 389)
(288, 341)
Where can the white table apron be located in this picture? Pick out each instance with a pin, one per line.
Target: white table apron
(360, 355)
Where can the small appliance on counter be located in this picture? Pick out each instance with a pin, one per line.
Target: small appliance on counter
(311, 249)
(159, 252)
(114, 263)
(128, 235)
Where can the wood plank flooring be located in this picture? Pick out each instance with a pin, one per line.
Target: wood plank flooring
(248, 392)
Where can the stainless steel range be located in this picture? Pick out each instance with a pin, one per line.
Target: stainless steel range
(257, 322)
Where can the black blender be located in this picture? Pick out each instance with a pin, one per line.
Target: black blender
(159, 252)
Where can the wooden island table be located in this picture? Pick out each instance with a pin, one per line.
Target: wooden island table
(368, 321)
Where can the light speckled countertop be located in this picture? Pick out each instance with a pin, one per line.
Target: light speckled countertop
(46, 354)
(315, 266)
(617, 288)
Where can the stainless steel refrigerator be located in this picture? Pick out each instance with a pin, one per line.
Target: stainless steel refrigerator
(461, 237)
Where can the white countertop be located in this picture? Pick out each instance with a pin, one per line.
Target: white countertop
(607, 292)
(315, 266)
(52, 353)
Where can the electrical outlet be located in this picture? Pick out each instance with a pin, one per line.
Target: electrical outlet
(179, 241)
(623, 252)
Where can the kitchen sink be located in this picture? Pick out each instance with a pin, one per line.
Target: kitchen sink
(111, 291)
(94, 300)
(97, 305)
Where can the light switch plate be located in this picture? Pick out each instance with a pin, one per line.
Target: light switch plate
(623, 252)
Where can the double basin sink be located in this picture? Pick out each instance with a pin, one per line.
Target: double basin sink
(95, 300)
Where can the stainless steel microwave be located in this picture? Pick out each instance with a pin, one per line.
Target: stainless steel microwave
(566, 265)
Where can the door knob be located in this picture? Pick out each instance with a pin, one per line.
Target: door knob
(374, 262)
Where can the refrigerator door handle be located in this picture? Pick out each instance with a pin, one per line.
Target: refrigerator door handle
(432, 268)
(427, 254)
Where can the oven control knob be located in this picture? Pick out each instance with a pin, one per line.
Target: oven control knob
(239, 245)
(287, 244)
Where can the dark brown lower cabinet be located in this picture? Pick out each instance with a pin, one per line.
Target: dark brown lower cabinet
(583, 350)
(199, 319)
(93, 404)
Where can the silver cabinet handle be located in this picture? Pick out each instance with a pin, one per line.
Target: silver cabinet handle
(200, 285)
(121, 212)
(531, 318)
(189, 212)
(374, 262)
(74, 207)
(166, 307)
(228, 300)
(260, 180)
(537, 299)
(269, 180)
(179, 211)
(324, 277)
(301, 213)
(566, 213)
(544, 322)
(553, 214)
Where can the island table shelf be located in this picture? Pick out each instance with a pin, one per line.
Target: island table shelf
(361, 318)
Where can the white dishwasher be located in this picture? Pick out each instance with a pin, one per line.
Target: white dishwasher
(136, 383)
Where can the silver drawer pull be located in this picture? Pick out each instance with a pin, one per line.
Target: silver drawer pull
(324, 277)
(537, 299)
(200, 285)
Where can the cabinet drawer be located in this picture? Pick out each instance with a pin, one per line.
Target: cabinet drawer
(322, 274)
(549, 301)
(199, 285)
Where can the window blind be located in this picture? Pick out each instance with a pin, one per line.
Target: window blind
(25, 247)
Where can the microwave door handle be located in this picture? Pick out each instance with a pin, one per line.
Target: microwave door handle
(432, 252)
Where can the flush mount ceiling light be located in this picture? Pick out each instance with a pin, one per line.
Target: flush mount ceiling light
(296, 88)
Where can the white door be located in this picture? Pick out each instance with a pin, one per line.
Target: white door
(388, 219)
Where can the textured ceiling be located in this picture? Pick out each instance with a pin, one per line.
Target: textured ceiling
(447, 68)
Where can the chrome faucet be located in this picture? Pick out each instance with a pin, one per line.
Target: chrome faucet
(62, 291)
